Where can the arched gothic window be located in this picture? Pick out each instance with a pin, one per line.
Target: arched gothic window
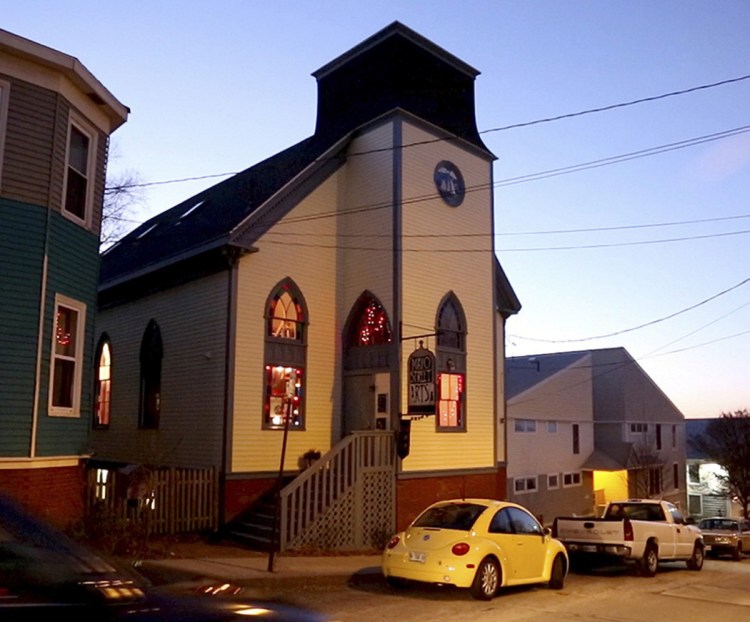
(370, 325)
(151, 356)
(285, 358)
(451, 365)
(103, 384)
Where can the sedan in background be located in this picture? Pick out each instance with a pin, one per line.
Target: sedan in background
(726, 536)
(480, 544)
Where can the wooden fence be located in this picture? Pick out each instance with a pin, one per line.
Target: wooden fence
(163, 501)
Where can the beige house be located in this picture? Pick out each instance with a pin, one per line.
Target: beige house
(338, 297)
(589, 427)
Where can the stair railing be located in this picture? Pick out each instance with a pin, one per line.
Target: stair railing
(342, 469)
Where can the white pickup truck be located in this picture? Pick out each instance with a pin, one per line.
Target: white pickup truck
(637, 531)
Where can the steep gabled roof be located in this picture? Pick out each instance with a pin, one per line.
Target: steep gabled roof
(207, 219)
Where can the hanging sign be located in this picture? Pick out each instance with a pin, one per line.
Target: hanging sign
(421, 382)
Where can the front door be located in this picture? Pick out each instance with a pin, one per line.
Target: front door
(366, 402)
(358, 410)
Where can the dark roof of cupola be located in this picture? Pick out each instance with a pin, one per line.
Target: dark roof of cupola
(397, 68)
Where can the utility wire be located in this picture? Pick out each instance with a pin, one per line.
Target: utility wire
(645, 324)
(488, 131)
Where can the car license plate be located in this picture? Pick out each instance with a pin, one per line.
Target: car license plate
(417, 556)
(588, 548)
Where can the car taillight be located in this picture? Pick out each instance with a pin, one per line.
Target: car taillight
(460, 549)
(627, 528)
(393, 542)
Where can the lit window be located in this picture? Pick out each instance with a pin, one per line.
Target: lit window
(67, 357)
(451, 394)
(103, 383)
(100, 487)
(450, 326)
(283, 396)
(286, 317)
(285, 358)
(373, 327)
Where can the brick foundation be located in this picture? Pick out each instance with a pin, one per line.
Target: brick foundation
(414, 494)
(54, 494)
(239, 493)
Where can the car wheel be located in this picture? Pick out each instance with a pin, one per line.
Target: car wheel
(737, 553)
(696, 559)
(650, 561)
(398, 583)
(487, 580)
(557, 575)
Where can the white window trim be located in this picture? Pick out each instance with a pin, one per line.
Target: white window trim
(525, 423)
(574, 484)
(4, 98)
(551, 486)
(525, 480)
(86, 129)
(75, 409)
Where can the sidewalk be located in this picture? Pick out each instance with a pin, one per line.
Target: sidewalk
(252, 570)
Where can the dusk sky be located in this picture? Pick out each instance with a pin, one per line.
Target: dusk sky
(624, 226)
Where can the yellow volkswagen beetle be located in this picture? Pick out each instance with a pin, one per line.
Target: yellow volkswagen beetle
(481, 544)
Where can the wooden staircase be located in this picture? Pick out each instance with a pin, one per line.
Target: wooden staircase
(345, 500)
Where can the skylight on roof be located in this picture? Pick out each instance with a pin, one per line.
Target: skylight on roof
(192, 209)
(147, 231)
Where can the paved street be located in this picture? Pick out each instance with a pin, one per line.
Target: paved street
(720, 592)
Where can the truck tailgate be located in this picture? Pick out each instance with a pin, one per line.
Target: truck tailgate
(593, 530)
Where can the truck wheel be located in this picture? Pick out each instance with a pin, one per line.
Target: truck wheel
(557, 575)
(737, 553)
(487, 580)
(696, 559)
(650, 561)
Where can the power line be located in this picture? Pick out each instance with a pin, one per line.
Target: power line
(673, 223)
(387, 248)
(620, 105)
(579, 247)
(533, 176)
(488, 131)
(645, 324)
